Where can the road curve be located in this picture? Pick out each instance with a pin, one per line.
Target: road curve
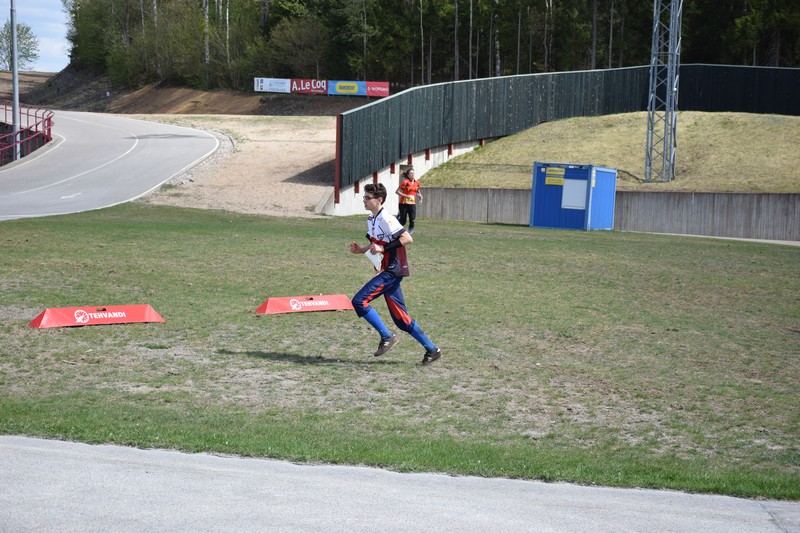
(98, 160)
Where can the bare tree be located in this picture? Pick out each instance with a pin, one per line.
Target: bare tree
(430, 56)
(621, 37)
(477, 51)
(228, 33)
(530, 41)
(548, 33)
(489, 42)
(264, 15)
(496, 46)
(421, 46)
(455, 41)
(141, 9)
(610, 33)
(594, 35)
(207, 52)
(519, 33)
(470, 39)
(364, 25)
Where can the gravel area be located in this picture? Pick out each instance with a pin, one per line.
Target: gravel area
(279, 166)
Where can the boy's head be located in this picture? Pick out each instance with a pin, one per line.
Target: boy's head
(377, 190)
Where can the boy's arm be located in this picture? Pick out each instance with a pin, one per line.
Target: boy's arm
(404, 239)
(356, 249)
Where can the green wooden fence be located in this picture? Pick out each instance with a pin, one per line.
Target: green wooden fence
(377, 135)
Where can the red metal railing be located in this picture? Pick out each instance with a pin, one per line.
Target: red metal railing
(35, 130)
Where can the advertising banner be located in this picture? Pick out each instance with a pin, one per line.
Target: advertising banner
(378, 89)
(55, 317)
(272, 85)
(374, 89)
(300, 304)
(301, 86)
(347, 88)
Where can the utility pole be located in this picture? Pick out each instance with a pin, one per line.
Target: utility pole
(662, 102)
(14, 81)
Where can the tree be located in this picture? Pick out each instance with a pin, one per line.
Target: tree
(422, 46)
(27, 46)
(548, 34)
(225, 43)
(206, 45)
(88, 31)
(593, 61)
(298, 45)
(767, 32)
(455, 40)
(470, 40)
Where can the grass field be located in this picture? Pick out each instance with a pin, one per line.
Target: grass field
(716, 152)
(602, 358)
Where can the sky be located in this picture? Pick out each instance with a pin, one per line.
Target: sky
(48, 22)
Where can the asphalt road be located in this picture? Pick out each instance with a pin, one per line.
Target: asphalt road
(59, 486)
(98, 160)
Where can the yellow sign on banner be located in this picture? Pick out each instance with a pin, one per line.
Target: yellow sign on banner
(555, 171)
(549, 180)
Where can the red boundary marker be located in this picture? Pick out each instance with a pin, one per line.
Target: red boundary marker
(56, 317)
(301, 304)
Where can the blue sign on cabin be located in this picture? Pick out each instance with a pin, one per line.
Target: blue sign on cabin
(567, 196)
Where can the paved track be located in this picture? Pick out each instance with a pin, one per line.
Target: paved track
(98, 160)
(60, 486)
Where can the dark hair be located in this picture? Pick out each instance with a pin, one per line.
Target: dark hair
(376, 189)
(406, 171)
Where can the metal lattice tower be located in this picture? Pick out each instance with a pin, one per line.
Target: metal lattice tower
(662, 103)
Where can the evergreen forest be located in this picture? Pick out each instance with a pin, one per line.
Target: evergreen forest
(226, 43)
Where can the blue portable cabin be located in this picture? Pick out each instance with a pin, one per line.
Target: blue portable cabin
(566, 196)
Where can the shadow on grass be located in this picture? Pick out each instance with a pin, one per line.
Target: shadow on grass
(306, 359)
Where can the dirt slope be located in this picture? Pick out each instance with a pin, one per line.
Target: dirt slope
(79, 90)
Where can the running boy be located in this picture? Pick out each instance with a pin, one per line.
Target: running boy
(408, 191)
(388, 240)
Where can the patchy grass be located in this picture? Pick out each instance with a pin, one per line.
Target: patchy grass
(717, 152)
(600, 358)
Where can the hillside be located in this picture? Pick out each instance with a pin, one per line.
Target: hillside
(80, 90)
(717, 152)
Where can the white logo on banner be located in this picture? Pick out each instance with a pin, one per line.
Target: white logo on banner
(296, 304)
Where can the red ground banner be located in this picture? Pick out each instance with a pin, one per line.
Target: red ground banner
(300, 304)
(57, 317)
